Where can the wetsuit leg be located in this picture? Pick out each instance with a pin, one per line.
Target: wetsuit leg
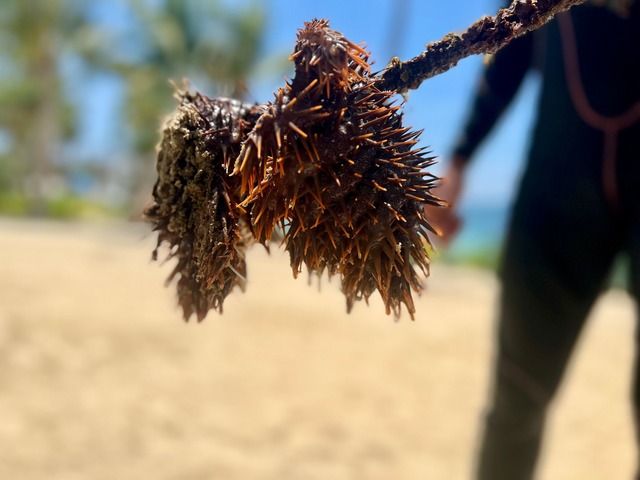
(634, 286)
(554, 266)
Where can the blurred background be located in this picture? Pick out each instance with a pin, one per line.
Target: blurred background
(98, 377)
(84, 86)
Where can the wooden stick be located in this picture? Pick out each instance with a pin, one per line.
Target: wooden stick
(486, 35)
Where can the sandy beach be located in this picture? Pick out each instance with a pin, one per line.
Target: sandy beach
(101, 379)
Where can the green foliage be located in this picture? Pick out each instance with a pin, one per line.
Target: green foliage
(60, 207)
(36, 117)
(71, 207)
(205, 41)
(215, 44)
(619, 277)
(486, 257)
(14, 204)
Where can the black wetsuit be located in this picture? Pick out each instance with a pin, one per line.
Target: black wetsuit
(578, 206)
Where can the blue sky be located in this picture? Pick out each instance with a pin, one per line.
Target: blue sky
(439, 106)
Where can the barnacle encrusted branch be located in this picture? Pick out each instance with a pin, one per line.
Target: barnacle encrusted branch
(485, 36)
(195, 209)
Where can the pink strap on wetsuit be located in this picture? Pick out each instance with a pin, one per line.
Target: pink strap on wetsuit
(610, 126)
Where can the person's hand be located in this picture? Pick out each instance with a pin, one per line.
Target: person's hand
(446, 219)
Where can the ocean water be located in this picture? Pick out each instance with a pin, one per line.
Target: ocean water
(481, 235)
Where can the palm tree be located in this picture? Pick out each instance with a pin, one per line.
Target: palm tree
(215, 46)
(35, 115)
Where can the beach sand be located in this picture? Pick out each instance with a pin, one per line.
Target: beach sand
(101, 379)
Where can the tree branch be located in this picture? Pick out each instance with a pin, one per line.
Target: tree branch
(486, 35)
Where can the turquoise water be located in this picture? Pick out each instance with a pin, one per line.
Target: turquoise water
(480, 242)
(480, 237)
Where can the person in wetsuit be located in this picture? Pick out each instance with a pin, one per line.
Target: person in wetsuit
(577, 207)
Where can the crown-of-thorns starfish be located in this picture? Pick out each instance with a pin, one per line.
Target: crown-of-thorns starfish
(196, 203)
(330, 163)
